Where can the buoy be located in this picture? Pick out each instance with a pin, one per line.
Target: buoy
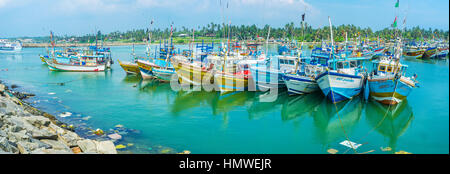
(98, 132)
(121, 146)
(332, 151)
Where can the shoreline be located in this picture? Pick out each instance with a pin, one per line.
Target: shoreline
(40, 45)
(27, 130)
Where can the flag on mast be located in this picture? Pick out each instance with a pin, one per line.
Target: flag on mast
(303, 17)
(397, 3)
(394, 25)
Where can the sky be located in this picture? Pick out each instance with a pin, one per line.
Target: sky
(19, 18)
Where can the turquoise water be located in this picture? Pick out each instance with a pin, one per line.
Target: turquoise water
(204, 122)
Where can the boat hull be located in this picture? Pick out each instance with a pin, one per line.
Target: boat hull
(389, 91)
(227, 83)
(163, 74)
(145, 68)
(193, 75)
(265, 79)
(429, 53)
(413, 54)
(339, 87)
(297, 85)
(54, 66)
(129, 67)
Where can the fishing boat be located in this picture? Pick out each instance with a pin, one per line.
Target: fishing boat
(344, 77)
(303, 81)
(342, 80)
(414, 54)
(388, 83)
(268, 73)
(429, 53)
(130, 67)
(234, 78)
(146, 65)
(85, 64)
(10, 46)
(196, 70)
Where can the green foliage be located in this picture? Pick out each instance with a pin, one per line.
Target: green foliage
(290, 31)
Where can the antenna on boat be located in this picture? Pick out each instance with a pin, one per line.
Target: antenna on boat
(149, 40)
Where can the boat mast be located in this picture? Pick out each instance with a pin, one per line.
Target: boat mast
(332, 42)
(149, 41)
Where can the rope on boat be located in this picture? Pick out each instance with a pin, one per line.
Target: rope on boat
(396, 79)
(339, 117)
(54, 83)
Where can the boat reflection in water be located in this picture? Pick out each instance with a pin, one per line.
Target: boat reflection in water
(185, 100)
(228, 102)
(263, 103)
(329, 122)
(397, 120)
(300, 105)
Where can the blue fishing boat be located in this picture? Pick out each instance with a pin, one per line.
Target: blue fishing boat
(302, 80)
(344, 77)
(268, 73)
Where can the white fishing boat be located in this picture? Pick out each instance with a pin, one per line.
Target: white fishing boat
(10, 46)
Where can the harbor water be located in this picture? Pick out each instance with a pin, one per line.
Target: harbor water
(205, 122)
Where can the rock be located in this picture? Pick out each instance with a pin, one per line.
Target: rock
(76, 150)
(4, 144)
(26, 147)
(18, 136)
(38, 121)
(56, 145)
(2, 88)
(14, 86)
(115, 136)
(87, 146)
(44, 133)
(70, 138)
(106, 147)
(50, 151)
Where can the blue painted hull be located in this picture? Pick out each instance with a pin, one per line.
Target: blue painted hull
(338, 87)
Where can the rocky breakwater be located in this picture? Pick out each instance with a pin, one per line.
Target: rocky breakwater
(26, 130)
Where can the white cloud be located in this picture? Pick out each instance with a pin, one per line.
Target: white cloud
(3, 3)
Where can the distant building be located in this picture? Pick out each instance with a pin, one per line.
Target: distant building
(182, 35)
(210, 35)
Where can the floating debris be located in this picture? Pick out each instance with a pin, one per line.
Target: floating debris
(121, 146)
(186, 152)
(76, 150)
(402, 152)
(134, 85)
(130, 144)
(332, 151)
(65, 114)
(385, 149)
(86, 118)
(115, 136)
(350, 144)
(68, 91)
(119, 125)
(370, 151)
(51, 93)
(98, 132)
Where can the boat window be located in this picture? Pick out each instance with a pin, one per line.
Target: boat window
(353, 64)
(346, 65)
(281, 61)
(382, 68)
(389, 69)
(291, 62)
(339, 65)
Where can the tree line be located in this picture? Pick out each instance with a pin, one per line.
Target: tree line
(290, 31)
